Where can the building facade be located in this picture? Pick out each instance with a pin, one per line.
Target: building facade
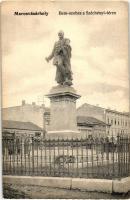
(118, 122)
(17, 136)
(17, 129)
(90, 126)
(25, 113)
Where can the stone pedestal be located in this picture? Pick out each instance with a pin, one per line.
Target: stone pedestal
(63, 112)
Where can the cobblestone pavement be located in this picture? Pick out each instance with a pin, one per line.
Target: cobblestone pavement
(38, 192)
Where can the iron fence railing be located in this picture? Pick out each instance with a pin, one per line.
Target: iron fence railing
(87, 158)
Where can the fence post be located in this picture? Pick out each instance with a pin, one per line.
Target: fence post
(118, 151)
(127, 158)
(72, 168)
(129, 155)
(54, 144)
(32, 155)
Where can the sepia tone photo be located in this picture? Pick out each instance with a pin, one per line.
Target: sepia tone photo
(65, 100)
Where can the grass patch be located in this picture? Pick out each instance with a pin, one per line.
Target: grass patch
(11, 193)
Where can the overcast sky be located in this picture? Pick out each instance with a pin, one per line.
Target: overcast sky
(99, 52)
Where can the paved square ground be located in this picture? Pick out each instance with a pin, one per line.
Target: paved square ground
(37, 192)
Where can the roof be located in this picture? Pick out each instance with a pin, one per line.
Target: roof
(106, 109)
(118, 112)
(9, 124)
(89, 121)
(90, 105)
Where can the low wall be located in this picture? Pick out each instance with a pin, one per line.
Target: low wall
(122, 186)
(98, 185)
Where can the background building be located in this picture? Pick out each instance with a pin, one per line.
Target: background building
(91, 126)
(119, 121)
(25, 113)
(20, 129)
(112, 121)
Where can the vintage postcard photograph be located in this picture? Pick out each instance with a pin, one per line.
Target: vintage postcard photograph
(65, 100)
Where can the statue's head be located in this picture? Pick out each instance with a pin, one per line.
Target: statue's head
(61, 34)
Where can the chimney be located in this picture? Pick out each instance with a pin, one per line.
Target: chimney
(23, 103)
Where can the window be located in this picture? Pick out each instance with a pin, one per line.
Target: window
(115, 121)
(108, 120)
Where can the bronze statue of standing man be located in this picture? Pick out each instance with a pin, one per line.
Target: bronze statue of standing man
(61, 55)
